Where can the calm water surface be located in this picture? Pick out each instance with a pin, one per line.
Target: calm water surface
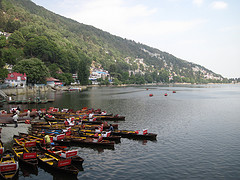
(198, 133)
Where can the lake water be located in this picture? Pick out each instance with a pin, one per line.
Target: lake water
(198, 131)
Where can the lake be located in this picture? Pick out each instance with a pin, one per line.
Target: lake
(198, 131)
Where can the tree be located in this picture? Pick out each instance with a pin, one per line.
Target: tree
(177, 79)
(42, 48)
(34, 68)
(116, 81)
(11, 55)
(16, 39)
(139, 79)
(83, 72)
(141, 67)
(3, 73)
(163, 76)
(12, 25)
(112, 68)
(3, 41)
(66, 78)
(148, 78)
(53, 69)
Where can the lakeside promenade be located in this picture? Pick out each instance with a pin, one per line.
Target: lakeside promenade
(37, 89)
(10, 130)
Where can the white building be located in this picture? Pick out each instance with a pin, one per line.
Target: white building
(16, 79)
(98, 74)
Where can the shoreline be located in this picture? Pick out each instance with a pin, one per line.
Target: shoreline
(159, 84)
(47, 88)
(37, 89)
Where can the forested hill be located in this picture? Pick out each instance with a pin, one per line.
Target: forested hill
(67, 46)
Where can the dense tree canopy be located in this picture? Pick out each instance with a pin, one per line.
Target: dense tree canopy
(34, 68)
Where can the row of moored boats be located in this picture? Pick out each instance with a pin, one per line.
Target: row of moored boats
(67, 130)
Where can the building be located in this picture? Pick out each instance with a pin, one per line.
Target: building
(98, 74)
(53, 82)
(8, 67)
(16, 79)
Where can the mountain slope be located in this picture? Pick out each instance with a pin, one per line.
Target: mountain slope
(37, 32)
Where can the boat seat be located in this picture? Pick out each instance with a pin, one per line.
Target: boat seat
(8, 172)
(41, 156)
(8, 161)
(49, 159)
(12, 156)
(57, 151)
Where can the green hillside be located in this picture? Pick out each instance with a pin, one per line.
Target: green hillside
(67, 46)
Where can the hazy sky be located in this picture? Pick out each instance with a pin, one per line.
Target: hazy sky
(205, 32)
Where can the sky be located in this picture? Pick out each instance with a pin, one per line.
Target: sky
(205, 32)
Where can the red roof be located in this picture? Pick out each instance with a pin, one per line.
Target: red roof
(52, 79)
(14, 75)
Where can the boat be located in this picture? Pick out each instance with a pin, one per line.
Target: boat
(53, 119)
(50, 100)
(18, 101)
(134, 134)
(61, 125)
(50, 118)
(9, 168)
(11, 101)
(92, 134)
(74, 89)
(1, 146)
(87, 141)
(24, 101)
(56, 163)
(111, 118)
(70, 140)
(44, 101)
(25, 156)
(47, 159)
(80, 133)
(65, 152)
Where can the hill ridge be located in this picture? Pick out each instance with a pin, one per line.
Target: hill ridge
(67, 42)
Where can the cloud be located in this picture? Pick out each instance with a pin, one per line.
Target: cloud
(230, 29)
(169, 27)
(198, 2)
(129, 21)
(219, 5)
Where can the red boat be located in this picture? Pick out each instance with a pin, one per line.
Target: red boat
(9, 167)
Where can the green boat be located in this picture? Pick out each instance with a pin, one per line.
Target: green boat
(24, 101)
(18, 102)
(11, 101)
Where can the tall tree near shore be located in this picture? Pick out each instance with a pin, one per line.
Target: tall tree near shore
(34, 68)
(3, 73)
(83, 71)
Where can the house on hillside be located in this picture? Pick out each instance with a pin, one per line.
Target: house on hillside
(5, 34)
(53, 82)
(16, 79)
(75, 78)
(8, 67)
(97, 74)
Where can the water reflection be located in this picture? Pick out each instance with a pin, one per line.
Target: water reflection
(28, 172)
